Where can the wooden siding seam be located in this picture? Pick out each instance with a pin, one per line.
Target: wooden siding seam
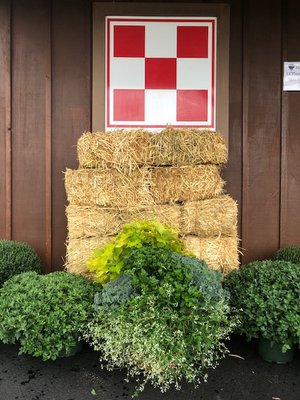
(242, 132)
(283, 126)
(245, 182)
(8, 133)
(48, 151)
(91, 65)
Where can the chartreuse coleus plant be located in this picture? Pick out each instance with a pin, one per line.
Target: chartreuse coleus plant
(165, 318)
(266, 298)
(44, 313)
(289, 253)
(15, 258)
(107, 262)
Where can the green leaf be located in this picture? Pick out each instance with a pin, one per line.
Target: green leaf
(265, 298)
(107, 262)
(45, 312)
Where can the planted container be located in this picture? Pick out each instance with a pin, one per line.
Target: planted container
(265, 297)
(272, 352)
(46, 312)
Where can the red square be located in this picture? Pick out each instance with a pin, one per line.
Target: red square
(160, 73)
(192, 41)
(192, 105)
(129, 41)
(129, 105)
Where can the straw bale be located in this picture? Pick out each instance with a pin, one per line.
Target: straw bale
(128, 149)
(210, 217)
(173, 184)
(89, 221)
(186, 146)
(219, 253)
(108, 187)
(120, 149)
(80, 250)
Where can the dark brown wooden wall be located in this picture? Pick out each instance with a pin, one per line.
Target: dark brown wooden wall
(45, 105)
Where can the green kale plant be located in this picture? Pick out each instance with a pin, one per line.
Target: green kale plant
(289, 253)
(115, 292)
(107, 262)
(170, 327)
(208, 281)
(44, 313)
(266, 298)
(15, 258)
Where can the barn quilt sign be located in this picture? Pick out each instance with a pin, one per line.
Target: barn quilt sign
(160, 71)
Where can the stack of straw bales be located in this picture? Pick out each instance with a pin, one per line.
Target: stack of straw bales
(172, 176)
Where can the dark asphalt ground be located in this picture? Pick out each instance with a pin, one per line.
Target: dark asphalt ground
(80, 378)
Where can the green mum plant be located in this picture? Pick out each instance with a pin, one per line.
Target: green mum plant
(265, 296)
(15, 258)
(165, 318)
(44, 313)
(107, 262)
(289, 253)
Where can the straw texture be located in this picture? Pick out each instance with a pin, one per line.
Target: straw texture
(173, 184)
(187, 146)
(211, 217)
(128, 149)
(108, 187)
(91, 221)
(120, 149)
(219, 253)
(172, 176)
(80, 250)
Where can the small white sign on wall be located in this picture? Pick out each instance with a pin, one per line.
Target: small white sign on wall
(291, 76)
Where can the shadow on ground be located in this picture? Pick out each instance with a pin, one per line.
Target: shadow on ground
(80, 378)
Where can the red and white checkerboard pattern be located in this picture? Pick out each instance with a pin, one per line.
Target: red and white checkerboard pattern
(160, 71)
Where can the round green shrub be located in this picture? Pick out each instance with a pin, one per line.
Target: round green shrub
(170, 326)
(266, 298)
(15, 258)
(45, 312)
(290, 253)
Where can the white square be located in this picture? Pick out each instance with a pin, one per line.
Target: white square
(160, 107)
(127, 73)
(161, 40)
(193, 73)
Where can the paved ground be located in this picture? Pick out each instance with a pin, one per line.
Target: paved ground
(80, 378)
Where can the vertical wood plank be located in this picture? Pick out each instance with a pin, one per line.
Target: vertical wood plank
(5, 119)
(71, 103)
(48, 164)
(30, 68)
(261, 125)
(290, 190)
(233, 171)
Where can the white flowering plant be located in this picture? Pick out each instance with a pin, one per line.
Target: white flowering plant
(168, 323)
